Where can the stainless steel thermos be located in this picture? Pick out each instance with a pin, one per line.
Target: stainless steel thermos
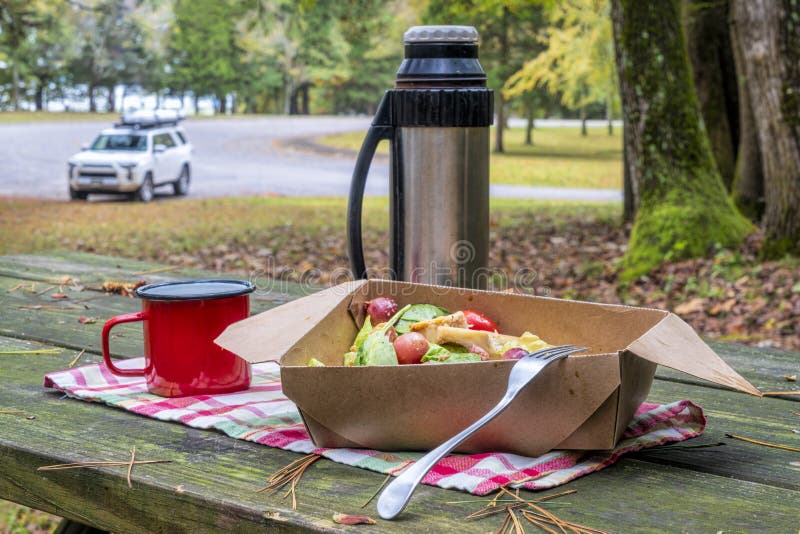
(437, 120)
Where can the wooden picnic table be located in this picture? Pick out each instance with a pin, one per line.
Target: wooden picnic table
(212, 480)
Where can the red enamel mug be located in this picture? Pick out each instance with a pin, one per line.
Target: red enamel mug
(181, 321)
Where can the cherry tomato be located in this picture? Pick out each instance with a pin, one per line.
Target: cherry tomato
(410, 347)
(478, 321)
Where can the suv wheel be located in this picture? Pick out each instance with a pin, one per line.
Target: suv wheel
(77, 195)
(145, 191)
(181, 185)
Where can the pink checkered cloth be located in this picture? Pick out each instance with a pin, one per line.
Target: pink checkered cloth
(264, 415)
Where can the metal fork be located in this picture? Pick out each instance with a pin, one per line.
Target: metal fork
(397, 494)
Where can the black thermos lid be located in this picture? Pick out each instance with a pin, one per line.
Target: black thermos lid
(441, 56)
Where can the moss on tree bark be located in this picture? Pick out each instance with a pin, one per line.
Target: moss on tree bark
(684, 210)
(708, 44)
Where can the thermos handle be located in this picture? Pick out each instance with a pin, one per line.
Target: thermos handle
(375, 135)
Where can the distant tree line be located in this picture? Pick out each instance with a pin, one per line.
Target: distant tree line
(260, 56)
(272, 56)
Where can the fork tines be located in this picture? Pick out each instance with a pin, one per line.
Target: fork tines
(552, 352)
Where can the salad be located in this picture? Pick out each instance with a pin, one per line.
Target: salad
(429, 334)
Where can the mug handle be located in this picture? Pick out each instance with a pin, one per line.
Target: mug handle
(111, 323)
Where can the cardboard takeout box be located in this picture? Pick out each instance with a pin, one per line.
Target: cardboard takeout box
(582, 402)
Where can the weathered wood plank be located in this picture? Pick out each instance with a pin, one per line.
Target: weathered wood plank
(763, 367)
(57, 319)
(696, 490)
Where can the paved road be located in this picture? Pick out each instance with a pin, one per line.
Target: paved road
(233, 157)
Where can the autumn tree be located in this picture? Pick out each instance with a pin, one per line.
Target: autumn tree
(507, 30)
(768, 35)
(578, 61)
(683, 207)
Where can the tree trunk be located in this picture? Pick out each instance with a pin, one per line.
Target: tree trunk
(584, 132)
(501, 102)
(684, 210)
(770, 44)
(304, 109)
(530, 111)
(39, 96)
(293, 109)
(709, 47)
(196, 98)
(608, 117)
(748, 178)
(15, 85)
(498, 129)
(111, 106)
(222, 103)
(92, 103)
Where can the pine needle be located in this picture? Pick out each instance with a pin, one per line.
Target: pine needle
(45, 290)
(684, 447)
(764, 443)
(35, 351)
(504, 527)
(76, 358)
(383, 485)
(13, 412)
(540, 516)
(774, 393)
(515, 520)
(290, 474)
(79, 465)
(130, 465)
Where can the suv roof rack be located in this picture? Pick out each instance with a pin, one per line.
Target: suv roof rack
(152, 118)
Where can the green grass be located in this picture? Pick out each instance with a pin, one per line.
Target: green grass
(46, 116)
(175, 227)
(560, 157)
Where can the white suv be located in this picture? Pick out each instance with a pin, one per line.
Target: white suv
(136, 156)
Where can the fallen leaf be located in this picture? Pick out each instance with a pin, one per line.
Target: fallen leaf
(693, 306)
(87, 320)
(790, 378)
(346, 519)
(59, 296)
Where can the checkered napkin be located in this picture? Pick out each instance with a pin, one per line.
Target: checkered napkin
(264, 415)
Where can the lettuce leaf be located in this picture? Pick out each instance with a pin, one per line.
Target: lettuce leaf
(450, 354)
(376, 349)
(417, 313)
(366, 328)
